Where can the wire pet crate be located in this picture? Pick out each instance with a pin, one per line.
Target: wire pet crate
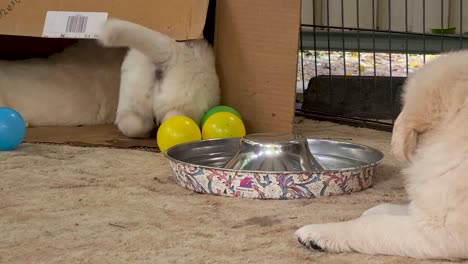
(355, 55)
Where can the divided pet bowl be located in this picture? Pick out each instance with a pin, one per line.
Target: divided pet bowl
(273, 166)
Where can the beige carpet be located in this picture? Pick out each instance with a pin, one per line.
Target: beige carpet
(61, 204)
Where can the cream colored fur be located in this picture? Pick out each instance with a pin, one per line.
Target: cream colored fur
(161, 78)
(431, 134)
(76, 87)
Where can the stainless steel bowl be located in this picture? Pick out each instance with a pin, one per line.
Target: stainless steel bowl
(274, 152)
(201, 167)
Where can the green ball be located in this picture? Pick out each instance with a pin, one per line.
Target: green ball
(217, 109)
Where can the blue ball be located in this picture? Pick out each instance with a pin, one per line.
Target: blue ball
(12, 129)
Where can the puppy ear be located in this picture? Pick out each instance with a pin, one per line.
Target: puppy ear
(404, 140)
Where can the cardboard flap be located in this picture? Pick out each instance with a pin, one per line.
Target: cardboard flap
(180, 19)
(104, 136)
(257, 47)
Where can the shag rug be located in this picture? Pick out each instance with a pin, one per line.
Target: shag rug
(63, 204)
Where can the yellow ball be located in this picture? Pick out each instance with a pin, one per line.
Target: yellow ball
(223, 125)
(177, 130)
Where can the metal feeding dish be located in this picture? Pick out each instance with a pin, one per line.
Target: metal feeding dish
(278, 152)
(273, 166)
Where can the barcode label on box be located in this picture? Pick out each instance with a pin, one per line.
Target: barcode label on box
(76, 24)
(60, 24)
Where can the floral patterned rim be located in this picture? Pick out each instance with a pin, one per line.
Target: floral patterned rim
(274, 184)
(270, 185)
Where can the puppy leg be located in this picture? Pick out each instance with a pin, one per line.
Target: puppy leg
(397, 235)
(389, 209)
(135, 109)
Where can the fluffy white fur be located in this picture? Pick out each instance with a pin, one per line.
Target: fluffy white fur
(161, 77)
(76, 87)
(430, 133)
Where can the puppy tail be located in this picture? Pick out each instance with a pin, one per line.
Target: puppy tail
(157, 46)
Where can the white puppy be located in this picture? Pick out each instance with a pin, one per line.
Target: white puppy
(430, 133)
(78, 86)
(161, 77)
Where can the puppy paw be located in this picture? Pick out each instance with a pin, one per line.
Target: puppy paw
(322, 237)
(309, 244)
(134, 125)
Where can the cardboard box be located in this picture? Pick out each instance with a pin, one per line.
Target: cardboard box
(180, 19)
(256, 46)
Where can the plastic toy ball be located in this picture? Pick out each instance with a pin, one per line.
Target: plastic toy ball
(12, 129)
(223, 125)
(177, 130)
(217, 109)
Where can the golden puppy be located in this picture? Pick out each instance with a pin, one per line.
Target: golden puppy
(431, 133)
